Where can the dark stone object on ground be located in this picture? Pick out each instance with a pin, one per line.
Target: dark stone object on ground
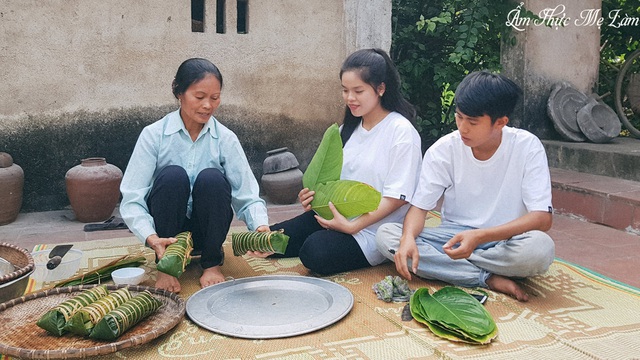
(598, 122)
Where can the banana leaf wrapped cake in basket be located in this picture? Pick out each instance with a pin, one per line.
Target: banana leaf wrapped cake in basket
(83, 321)
(125, 316)
(55, 319)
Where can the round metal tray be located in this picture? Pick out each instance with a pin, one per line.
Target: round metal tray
(266, 307)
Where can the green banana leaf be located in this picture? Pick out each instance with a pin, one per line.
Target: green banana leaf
(459, 309)
(418, 313)
(461, 335)
(326, 164)
(351, 198)
(453, 314)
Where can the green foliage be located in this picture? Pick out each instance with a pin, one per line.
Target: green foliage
(615, 44)
(435, 43)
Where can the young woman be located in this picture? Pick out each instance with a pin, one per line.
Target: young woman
(382, 148)
(187, 172)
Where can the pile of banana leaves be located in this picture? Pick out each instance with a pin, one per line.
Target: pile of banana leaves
(453, 314)
(351, 198)
(103, 273)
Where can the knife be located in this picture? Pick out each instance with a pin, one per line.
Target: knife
(56, 254)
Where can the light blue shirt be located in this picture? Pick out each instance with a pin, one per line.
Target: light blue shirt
(167, 142)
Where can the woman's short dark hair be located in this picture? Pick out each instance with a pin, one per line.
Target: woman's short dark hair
(375, 67)
(191, 71)
(484, 93)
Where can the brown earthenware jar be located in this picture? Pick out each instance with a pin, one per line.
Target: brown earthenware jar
(11, 186)
(93, 188)
(282, 180)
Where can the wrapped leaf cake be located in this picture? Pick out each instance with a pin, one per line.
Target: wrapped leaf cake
(177, 256)
(271, 241)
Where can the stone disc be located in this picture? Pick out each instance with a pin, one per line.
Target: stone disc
(563, 106)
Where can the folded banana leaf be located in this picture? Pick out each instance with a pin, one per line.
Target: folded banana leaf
(55, 319)
(270, 241)
(351, 198)
(121, 319)
(83, 321)
(177, 256)
(453, 314)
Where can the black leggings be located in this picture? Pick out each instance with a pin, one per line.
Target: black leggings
(211, 214)
(321, 251)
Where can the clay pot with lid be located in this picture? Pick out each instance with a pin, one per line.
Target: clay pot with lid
(93, 188)
(282, 180)
(11, 188)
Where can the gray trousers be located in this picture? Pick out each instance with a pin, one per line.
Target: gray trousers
(521, 256)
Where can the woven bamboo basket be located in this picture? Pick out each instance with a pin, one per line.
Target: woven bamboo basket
(21, 337)
(18, 257)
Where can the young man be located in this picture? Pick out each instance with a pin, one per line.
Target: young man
(497, 198)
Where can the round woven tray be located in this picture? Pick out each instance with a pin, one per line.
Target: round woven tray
(18, 257)
(21, 337)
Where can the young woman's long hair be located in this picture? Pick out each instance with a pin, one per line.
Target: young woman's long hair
(375, 67)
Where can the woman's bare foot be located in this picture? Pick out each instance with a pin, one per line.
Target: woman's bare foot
(211, 276)
(167, 282)
(507, 286)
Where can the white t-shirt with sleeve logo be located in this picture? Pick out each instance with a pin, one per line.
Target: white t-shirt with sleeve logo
(482, 194)
(387, 157)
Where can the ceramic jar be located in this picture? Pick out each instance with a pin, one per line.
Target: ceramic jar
(11, 188)
(281, 179)
(93, 188)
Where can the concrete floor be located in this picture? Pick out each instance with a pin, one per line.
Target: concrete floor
(603, 249)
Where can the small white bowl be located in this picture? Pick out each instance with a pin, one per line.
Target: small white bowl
(128, 276)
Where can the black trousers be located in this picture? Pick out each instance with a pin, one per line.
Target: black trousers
(211, 214)
(321, 251)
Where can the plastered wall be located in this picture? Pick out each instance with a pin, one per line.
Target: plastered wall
(80, 78)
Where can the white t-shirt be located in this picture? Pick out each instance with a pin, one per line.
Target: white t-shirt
(482, 194)
(387, 157)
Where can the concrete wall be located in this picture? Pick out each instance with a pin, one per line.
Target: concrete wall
(544, 55)
(80, 78)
